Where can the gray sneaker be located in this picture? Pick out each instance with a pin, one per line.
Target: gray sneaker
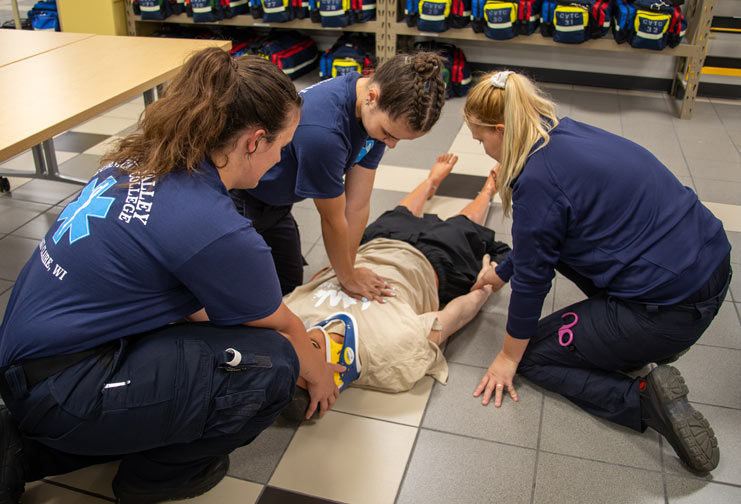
(664, 408)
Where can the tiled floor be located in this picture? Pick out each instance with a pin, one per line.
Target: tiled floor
(436, 443)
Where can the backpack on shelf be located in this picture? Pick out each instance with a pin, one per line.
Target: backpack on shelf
(154, 9)
(209, 11)
(276, 11)
(292, 52)
(505, 19)
(575, 21)
(457, 72)
(44, 16)
(363, 10)
(433, 15)
(649, 24)
(353, 52)
(176, 6)
(460, 13)
(332, 13)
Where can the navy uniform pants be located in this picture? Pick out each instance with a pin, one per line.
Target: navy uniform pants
(278, 228)
(611, 335)
(166, 403)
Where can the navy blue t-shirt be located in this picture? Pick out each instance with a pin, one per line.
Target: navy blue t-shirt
(328, 142)
(124, 259)
(610, 210)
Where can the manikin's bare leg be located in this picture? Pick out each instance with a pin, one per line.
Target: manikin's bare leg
(415, 200)
(476, 210)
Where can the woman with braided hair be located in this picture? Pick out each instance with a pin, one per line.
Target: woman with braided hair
(346, 124)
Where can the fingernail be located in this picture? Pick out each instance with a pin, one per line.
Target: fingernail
(364, 299)
(383, 301)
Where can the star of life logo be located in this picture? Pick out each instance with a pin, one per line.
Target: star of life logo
(91, 203)
(332, 294)
(365, 150)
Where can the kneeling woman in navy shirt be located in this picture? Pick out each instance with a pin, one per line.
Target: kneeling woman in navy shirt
(653, 261)
(346, 124)
(96, 362)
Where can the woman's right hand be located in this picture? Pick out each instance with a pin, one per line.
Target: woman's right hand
(366, 285)
(488, 276)
(323, 392)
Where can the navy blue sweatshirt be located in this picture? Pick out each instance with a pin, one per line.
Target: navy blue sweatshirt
(609, 209)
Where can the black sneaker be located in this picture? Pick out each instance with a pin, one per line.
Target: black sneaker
(664, 408)
(12, 480)
(200, 484)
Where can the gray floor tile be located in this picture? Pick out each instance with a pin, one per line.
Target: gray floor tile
(569, 430)
(411, 155)
(382, 200)
(691, 131)
(735, 239)
(715, 150)
(736, 287)
(477, 343)
(725, 329)
(725, 423)
(309, 226)
(675, 161)
(694, 491)
(642, 109)
(38, 227)
(712, 375)
(730, 115)
(452, 408)
(714, 169)
(498, 222)
(566, 293)
(460, 185)
(43, 191)
(4, 298)
(82, 167)
(15, 213)
(718, 191)
(257, 461)
(577, 481)
(74, 141)
(15, 251)
(317, 259)
(449, 469)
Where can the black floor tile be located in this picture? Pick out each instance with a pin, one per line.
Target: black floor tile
(74, 141)
(459, 185)
(272, 495)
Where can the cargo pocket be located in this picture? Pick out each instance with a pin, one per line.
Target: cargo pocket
(232, 412)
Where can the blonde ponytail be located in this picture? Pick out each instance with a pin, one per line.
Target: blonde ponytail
(527, 114)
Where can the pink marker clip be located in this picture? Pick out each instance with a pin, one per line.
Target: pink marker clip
(566, 330)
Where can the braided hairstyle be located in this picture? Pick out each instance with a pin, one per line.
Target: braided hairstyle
(412, 86)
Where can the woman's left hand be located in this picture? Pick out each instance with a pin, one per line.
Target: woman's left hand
(497, 377)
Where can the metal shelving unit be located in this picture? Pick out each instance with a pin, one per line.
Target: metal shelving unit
(389, 26)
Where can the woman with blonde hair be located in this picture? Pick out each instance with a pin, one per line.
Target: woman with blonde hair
(652, 260)
(149, 325)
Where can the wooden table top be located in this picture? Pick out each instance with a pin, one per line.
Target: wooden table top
(51, 92)
(16, 45)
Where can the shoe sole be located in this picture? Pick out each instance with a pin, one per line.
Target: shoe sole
(692, 437)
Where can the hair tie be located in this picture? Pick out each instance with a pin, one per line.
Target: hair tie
(407, 60)
(499, 79)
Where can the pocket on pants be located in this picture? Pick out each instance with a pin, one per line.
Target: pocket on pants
(232, 411)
